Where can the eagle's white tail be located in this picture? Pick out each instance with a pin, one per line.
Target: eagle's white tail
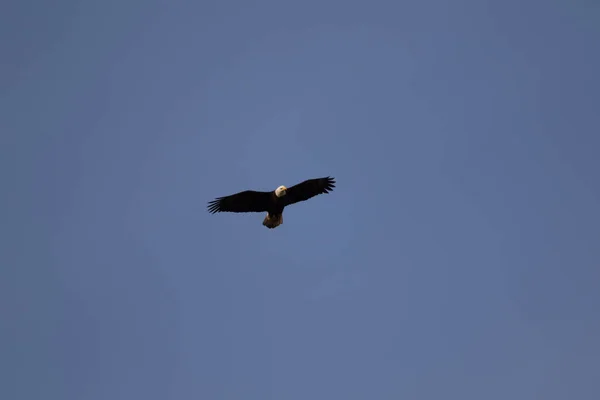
(273, 221)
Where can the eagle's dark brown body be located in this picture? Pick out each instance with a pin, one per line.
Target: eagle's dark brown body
(272, 202)
(274, 216)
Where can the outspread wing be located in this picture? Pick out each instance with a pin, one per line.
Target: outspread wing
(246, 201)
(307, 189)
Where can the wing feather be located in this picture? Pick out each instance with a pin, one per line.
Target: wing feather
(246, 201)
(309, 188)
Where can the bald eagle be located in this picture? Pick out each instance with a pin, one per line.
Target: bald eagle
(272, 202)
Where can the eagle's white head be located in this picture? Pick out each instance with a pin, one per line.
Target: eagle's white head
(280, 191)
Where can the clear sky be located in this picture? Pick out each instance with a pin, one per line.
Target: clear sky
(458, 257)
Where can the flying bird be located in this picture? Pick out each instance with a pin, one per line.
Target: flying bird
(272, 202)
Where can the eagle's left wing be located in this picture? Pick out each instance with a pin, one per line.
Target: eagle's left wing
(246, 201)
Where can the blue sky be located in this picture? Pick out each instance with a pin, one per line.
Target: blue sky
(457, 258)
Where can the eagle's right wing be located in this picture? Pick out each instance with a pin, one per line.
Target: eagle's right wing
(246, 201)
(307, 189)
